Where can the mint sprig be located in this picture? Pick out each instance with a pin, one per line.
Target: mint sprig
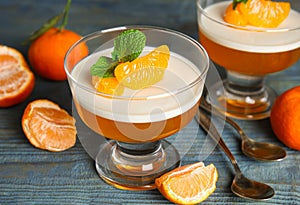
(104, 67)
(127, 47)
(236, 2)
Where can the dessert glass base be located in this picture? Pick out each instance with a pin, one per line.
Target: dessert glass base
(135, 166)
(242, 97)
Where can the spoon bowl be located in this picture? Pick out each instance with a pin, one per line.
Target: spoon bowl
(250, 189)
(257, 150)
(241, 186)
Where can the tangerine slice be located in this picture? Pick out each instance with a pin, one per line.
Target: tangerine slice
(16, 79)
(189, 184)
(260, 13)
(107, 85)
(144, 71)
(234, 16)
(47, 126)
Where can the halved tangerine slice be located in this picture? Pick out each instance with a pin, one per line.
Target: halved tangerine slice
(189, 184)
(16, 79)
(144, 71)
(47, 126)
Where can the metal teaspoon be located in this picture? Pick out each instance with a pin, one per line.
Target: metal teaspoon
(257, 150)
(241, 186)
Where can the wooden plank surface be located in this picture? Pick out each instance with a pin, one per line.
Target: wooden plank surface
(32, 176)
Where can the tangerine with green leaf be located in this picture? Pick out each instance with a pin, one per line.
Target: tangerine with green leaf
(49, 46)
(46, 54)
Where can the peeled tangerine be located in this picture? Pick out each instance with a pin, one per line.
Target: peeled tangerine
(16, 79)
(47, 126)
(189, 184)
(260, 13)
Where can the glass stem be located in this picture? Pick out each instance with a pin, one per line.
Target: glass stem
(139, 149)
(244, 85)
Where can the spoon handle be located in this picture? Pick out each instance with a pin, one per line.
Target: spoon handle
(207, 107)
(206, 124)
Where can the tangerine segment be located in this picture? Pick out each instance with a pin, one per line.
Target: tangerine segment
(234, 16)
(190, 184)
(260, 13)
(144, 71)
(47, 126)
(107, 85)
(16, 79)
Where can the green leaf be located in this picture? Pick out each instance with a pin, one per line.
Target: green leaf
(128, 45)
(49, 24)
(104, 67)
(236, 2)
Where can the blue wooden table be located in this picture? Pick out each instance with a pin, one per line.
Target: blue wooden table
(32, 176)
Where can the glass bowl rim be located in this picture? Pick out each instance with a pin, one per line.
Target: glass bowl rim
(142, 27)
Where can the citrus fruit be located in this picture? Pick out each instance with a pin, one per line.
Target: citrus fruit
(16, 79)
(107, 85)
(260, 13)
(189, 184)
(47, 126)
(285, 118)
(46, 53)
(234, 16)
(144, 71)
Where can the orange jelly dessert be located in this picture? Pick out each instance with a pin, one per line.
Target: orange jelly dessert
(249, 39)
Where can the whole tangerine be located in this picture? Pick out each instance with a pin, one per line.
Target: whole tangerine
(46, 53)
(285, 118)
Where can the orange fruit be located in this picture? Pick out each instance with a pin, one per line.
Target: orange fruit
(16, 79)
(144, 71)
(46, 53)
(47, 126)
(189, 184)
(107, 85)
(260, 13)
(285, 118)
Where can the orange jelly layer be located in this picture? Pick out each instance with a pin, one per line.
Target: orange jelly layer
(249, 63)
(135, 132)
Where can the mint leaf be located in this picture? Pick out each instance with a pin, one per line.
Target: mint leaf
(104, 67)
(128, 45)
(236, 2)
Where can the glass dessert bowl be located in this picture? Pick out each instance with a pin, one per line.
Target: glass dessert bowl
(136, 121)
(248, 54)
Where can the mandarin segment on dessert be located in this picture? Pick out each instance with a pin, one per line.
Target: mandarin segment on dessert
(126, 68)
(236, 49)
(144, 71)
(260, 13)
